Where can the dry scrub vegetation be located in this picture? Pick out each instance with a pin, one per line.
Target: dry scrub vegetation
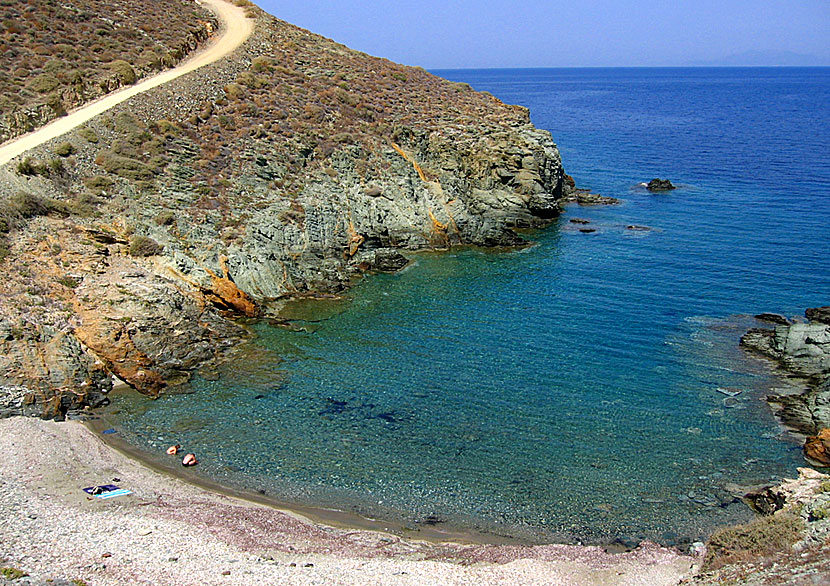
(309, 97)
(55, 55)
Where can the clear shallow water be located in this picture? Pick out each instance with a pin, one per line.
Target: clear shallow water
(568, 390)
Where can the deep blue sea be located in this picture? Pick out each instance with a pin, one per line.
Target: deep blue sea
(567, 391)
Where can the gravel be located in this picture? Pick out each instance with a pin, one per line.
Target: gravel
(172, 533)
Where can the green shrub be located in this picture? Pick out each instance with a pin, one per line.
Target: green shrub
(262, 65)
(12, 573)
(27, 167)
(88, 134)
(55, 166)
(234, 91)
(64, 149)
(29, 205)
(44, 83)
(144, 246)
(68, 281)
(756, 540)
(165, 218)
(99, 183)
(125, 167)
(123, 71)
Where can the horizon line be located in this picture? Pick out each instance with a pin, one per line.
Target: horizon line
(528, 67)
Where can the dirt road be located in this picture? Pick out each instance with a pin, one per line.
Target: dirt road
(235, 29)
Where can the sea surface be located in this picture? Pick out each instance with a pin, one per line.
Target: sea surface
(572, 390)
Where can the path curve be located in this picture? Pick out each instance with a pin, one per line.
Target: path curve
(235, 29)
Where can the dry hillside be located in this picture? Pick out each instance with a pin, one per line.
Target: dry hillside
(56, 55)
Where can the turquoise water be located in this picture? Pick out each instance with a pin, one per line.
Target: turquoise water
(567, 391)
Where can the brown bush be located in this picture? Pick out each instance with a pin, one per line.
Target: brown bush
(759, 539)
(144, 246)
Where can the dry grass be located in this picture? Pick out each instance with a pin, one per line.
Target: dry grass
(764, 537)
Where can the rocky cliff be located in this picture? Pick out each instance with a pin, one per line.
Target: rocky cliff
(290, 168)
(803, 351)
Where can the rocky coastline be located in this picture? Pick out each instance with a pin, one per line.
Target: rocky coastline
(288, 169)
(802, 352)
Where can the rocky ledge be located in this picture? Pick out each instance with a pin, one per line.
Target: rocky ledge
(802, 350)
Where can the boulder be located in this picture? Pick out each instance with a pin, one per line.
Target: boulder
(660, 185)
(819, 314)
(389, 260)
(817, 448)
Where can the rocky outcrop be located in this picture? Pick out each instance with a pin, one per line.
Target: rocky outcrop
(660, 185)
(817, 448)
(803, 351)
(774, 318)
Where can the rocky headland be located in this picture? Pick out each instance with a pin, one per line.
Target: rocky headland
(802, 351)
(132, 245)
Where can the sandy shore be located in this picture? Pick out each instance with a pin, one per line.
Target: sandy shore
(172, 533)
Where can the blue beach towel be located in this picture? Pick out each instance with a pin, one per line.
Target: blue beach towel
(106, 491)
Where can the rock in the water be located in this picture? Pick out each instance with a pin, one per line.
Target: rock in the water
(817, 448)
(586, 198)
(660, 185)
(587, 230)
(388, 260)
(579, 221)
(819, 314)
(774, 318)
(637, 228)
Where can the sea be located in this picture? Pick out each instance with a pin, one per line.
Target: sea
(588, 388)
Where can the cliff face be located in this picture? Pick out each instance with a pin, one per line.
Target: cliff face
(803, 351)
(291, 167)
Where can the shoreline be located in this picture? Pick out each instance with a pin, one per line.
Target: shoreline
(331, 517)
(173, 532)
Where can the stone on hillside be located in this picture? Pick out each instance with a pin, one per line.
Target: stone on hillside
(817, 448)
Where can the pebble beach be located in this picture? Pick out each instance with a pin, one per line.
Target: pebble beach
(169, 532)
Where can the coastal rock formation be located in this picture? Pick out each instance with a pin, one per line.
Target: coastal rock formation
(288, 169)
(803, 351)
(774, 318)
(660, 185)
(817, 448)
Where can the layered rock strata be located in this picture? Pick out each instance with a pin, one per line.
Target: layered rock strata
(803, 351)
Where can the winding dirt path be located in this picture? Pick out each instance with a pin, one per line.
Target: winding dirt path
(235, 29)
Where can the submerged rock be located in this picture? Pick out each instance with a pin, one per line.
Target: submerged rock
(775, 318)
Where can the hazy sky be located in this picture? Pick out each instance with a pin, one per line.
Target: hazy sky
(567, 33)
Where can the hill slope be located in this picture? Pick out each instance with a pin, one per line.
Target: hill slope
(291, 167)
(55, 56)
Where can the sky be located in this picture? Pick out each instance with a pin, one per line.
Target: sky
(447, 34)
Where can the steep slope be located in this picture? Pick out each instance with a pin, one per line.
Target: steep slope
(55, 56)
(289, 168)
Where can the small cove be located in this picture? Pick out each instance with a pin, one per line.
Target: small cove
(567, 391)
